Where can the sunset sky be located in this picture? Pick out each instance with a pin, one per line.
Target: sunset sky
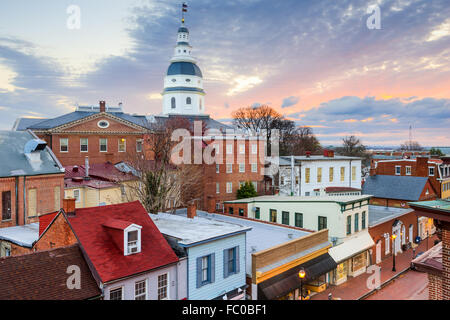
(316, 62)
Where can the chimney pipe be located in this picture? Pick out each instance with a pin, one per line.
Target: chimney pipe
(192, 210)
(308, 154)
(102, 106)
(69, 206)
(86, 168)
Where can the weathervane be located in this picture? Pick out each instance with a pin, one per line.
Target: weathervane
(183, 10)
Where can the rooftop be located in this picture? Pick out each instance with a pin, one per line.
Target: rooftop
(279, 198)
(14, 161)
(286, 160)
(43, 276)
(194, 231)
(406, 188)
(381, 214)
(439, 204)
(107, 258)
(23, 236)
(430, 261)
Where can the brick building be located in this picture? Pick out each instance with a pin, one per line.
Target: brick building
(386, 221)
(436, 261)
(419, 167)
(101, 132)
(31, 179)
(396, 191)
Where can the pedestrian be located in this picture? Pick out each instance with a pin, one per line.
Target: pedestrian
(330, 296)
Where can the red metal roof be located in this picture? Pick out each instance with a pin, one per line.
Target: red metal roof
(117, 224)
(45, 220)
(106, 257)
(104, 171)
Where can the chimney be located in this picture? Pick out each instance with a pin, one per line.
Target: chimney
(308, 154)
(422, 166)
(69, 206)
(373, 171)
(328, 153)
(191, 210)
(102, 106)
(75, 169)
(86, 168)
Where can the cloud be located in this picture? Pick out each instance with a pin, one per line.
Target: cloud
(290, 101)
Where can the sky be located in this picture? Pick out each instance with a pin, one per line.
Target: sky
(316, 62)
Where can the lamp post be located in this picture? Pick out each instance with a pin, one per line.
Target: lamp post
(393, 251)
(301, 275)
(427, 240)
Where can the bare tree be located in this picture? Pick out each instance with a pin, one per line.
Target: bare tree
(352, 147)
(411, 146)
(298, 140)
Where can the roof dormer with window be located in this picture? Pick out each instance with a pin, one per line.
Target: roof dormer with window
(126, 235)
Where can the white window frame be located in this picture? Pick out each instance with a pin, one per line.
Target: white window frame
(408, 170)
(67, 144)
(229, 168)
(126, 244)
(429, 171)
(241, 148)
(100, 144)
(87, 144)
(217, 168)
(254, 148)
(77, 199)
(217, 187)
(114, 289)
(387, 244)
(255, 185)
(400, 170)
(241, 167)
(124, 144)
(229, 187)
(145, 294)
(229, 149)
(254, 167)
(167, 286)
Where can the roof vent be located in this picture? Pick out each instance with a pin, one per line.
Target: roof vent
(290, 235)
(32, 152)
(75, 169)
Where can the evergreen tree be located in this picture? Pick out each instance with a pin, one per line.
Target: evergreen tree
(247, 190)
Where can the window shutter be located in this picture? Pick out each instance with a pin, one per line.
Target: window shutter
(225, 263)
(213, 267)
(237, 259)
(199, 272)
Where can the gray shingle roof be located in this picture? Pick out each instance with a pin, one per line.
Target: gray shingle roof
(210, 123)
(15, 163)
(395, 187)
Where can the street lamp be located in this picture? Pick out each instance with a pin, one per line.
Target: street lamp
(301, 275)
(393, 252)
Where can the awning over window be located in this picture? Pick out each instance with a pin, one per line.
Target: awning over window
(351, 247)
(288, 281)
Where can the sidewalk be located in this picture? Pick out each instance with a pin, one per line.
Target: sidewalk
(354, 288)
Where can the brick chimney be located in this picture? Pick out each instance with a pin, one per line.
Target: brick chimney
(308, 154)
(69, 206)
(102, 106)
(328, 153)
(422, 166)
(373, 171)
(192, 210)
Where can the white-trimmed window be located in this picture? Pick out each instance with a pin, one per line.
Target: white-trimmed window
(431, 171)
(217, 187)
(229, 187)
(254, 148)
(229, 168)
(139, 143)
(254, 167)
(398, 170)
(408, 170)
(163, 282)
(217, 168)
(83, 144)
(255, 185)
(140, 290)
(76, 195)
(103, 145)
(217, 149)
(241, 167)
(242, 149)
(241, 183)
(132, 239)
(229, 149)
(122, 144)
(387, 241)
(116, 294)
(64, 145)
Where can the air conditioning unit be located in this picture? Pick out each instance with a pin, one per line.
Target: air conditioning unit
(132, 247)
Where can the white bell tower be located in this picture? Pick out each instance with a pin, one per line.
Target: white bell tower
(183, 84)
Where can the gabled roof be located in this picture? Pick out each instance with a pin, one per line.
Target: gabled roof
(395, 187)
(43, 276)
(23, 236)
(104, 171)
(14, 162)
(45, 124)
(107, 259)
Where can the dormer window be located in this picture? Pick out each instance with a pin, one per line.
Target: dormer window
(132, 242)
(132, 239)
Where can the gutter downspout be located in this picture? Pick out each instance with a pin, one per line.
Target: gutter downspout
(292, 176)
(17, 200)
(176, 277)
(24, 201)
(350, 175)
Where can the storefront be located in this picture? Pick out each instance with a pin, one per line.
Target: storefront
(352, 257)
(286, 286)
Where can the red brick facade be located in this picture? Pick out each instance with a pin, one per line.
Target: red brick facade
(211, 197)
(377, 233)
(45, 188)
(89, 129)
(446, 261)
(58, 234)
(434, 287)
